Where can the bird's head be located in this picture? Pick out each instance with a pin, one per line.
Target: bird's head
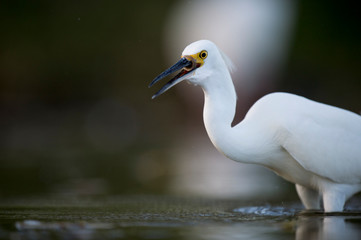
(198, 62)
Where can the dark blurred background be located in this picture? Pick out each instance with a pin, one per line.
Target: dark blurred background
(76, 115)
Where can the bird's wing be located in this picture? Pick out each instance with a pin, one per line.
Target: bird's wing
(327, 144)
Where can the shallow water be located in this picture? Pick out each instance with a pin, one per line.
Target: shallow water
(149, 217)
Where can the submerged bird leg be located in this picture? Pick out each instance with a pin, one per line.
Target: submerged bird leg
(333, 201)
(309, 197)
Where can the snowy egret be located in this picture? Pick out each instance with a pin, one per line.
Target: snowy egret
(314, 145)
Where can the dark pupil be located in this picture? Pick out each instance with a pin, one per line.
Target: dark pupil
(203, 55)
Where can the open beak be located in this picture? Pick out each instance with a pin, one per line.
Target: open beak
(186, 63)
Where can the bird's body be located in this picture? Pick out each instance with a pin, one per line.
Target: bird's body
(314, 145)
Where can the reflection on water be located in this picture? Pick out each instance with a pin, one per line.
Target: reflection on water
(301, 228)
(172, 219)
(328, 227)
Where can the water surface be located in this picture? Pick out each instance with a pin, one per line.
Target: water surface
(150, 217)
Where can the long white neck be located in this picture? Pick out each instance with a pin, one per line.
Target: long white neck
(219, 111)
(240, 142)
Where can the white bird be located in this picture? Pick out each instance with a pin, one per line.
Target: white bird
(313, 145)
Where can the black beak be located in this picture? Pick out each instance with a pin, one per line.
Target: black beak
(185, 64)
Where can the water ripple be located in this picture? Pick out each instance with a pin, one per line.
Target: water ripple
(273, 211)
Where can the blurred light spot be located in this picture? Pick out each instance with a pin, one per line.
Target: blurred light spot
(256, 35)
(111, 125)
(199, 170)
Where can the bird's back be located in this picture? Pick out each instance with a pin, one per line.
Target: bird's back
(323, 139)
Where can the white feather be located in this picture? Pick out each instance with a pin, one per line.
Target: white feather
(230, 65)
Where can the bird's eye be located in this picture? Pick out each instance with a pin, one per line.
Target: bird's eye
(203, 54)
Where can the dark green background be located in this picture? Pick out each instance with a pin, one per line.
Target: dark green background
(60, 61)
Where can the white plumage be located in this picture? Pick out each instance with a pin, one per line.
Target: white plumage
(314, 145)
